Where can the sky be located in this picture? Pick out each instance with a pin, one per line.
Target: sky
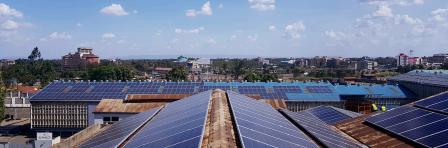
(266, 28)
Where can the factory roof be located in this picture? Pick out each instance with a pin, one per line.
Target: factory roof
(435, 78)
(289, 91)
(228, 119)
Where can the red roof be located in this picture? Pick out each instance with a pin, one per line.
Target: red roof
(28, 89)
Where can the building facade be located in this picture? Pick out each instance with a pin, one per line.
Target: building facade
(17, 101)
(80, 59)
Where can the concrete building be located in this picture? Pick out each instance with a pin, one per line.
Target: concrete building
(402, 59)
(80, 59)
(17, 101)
(368, 65)
(439, 58)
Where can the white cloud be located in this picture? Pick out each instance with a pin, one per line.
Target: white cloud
(60, 35)
(252, 38)
(262, 5)
(10, 25)
(205, 10)
(293, 30)
(335, 35)
(114, 9)
(211, 41)
(383, 11)
(406, 19)
(189, 31)
(108, 35)
(395, 2)
(7, 11)
(439, 15)
(272, 28)
(233, 37)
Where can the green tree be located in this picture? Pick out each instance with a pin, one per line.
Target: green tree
(2, 97)
(35, 54)
(110, 72)
(177, 74)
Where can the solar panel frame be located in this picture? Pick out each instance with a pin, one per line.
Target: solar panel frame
(320, 130)
(282, 133)
(122, 131)
(328, 114)
(192, 112)
(437, 103)
(412, 123)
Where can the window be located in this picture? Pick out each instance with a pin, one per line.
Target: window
(114, 119)
(106, 119)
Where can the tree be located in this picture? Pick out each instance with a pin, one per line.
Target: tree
(177, 74)
(110, 72)
(238, 68)
(35, 54)
(2, 97)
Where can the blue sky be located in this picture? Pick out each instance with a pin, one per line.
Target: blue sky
(268, 28)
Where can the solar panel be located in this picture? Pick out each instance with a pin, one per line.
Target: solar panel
(421, 126)
(179, 124)
(321, 131)
(328, 114)
(318, 89)
(119, 131)
(438, 103)
(260, 125)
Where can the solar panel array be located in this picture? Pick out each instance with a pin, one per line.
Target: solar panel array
(321, 131)
(328, 114)
(423, 77)
(179, 124)
(95, 91)
(437, 103)
(119, 131)
(318, 89)
(427, 128)
(259, 125)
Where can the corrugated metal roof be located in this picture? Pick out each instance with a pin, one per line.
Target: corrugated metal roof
(423, 77)
(156, 97)
(118, 106)
(275, 103)
(368, 135)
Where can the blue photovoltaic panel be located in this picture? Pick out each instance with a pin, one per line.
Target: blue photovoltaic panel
(328, 114)
(318, 89)
(119, 131)
(260, 125)
(179, 124)
(438, 102)
(421, 126)
(321, 131)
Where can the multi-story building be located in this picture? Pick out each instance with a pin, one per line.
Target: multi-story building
(80, 59)
(17, 101)
(367, 65)
(402, 59)
(439, 58)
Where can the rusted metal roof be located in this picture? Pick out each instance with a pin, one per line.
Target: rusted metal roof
(254, 96)
(27, 89)
(368, 135)
(118, 106)
(275, 103)
(155, 97)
